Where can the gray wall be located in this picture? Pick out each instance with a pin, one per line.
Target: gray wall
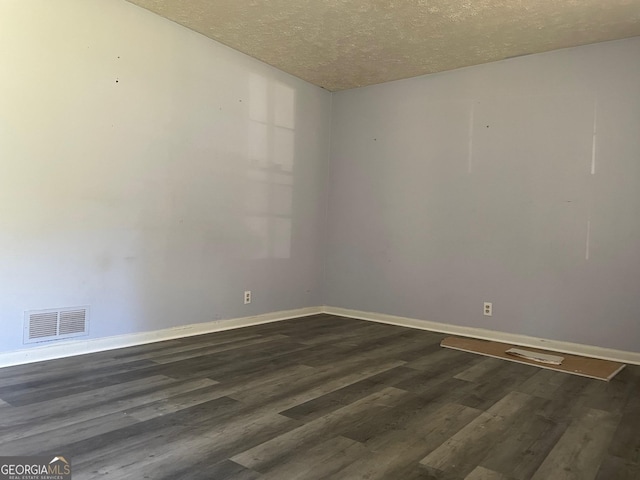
(486, 184)
(151, 173)
(155, 175)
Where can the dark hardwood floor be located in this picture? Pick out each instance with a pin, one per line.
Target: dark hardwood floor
(319, 397)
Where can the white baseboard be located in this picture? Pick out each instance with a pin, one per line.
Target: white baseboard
(484, 334)
(81, 347)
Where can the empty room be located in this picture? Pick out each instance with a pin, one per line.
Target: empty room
(287, 239)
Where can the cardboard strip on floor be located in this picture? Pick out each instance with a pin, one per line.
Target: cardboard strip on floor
(573, 364)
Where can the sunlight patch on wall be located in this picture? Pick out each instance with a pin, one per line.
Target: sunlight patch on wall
(271, 150)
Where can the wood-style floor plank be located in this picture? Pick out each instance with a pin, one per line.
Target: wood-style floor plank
(521, 453)
(460, 454)
(618, 468)
(403, 443)
(321, 461)
(579, 452)
(319, 397)
(265, 456)
(481, 473)
(123, 404)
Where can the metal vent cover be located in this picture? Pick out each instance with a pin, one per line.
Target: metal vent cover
(55, 324)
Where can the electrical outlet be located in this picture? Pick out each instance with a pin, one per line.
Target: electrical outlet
(488, 309)
(247, 297)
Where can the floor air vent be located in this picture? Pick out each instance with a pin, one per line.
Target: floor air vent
(55, 324)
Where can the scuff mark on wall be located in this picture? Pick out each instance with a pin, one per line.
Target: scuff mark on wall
(593, 144)
(470, 160)
(586, 256)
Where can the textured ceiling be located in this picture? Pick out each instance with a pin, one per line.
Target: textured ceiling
(340, 44)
